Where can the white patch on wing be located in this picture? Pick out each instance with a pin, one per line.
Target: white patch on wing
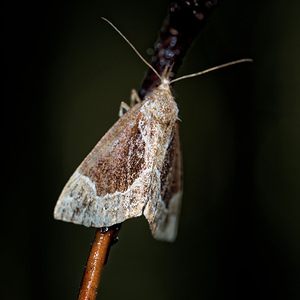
(80, 204)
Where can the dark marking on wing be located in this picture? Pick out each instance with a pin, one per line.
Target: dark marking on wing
(118, 159)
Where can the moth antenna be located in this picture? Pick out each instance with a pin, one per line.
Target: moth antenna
(213, 69)
(137, 52)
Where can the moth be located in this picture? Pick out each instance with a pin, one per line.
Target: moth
(134, 170)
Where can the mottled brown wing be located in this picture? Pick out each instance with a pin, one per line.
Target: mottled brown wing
(108, 187)
(163, 213)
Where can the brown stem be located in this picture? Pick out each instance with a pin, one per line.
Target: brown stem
(95, 263)
(185, 20)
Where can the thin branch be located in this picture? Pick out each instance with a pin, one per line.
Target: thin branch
(95, 263)
(185, 20)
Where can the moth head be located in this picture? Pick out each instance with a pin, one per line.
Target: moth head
(165, 78)
(165, 84)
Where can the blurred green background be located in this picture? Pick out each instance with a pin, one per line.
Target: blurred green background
(65, 74)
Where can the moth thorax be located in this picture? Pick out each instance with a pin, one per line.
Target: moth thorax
(161, 106)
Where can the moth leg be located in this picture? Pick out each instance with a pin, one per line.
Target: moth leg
(123, 106)
(134, 97)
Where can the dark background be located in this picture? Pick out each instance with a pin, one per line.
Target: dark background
(65, 73)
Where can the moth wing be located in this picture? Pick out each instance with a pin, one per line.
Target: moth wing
(162, 212)
(108, 186)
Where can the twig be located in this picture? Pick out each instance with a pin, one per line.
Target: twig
(95, 263)
(185, 20)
